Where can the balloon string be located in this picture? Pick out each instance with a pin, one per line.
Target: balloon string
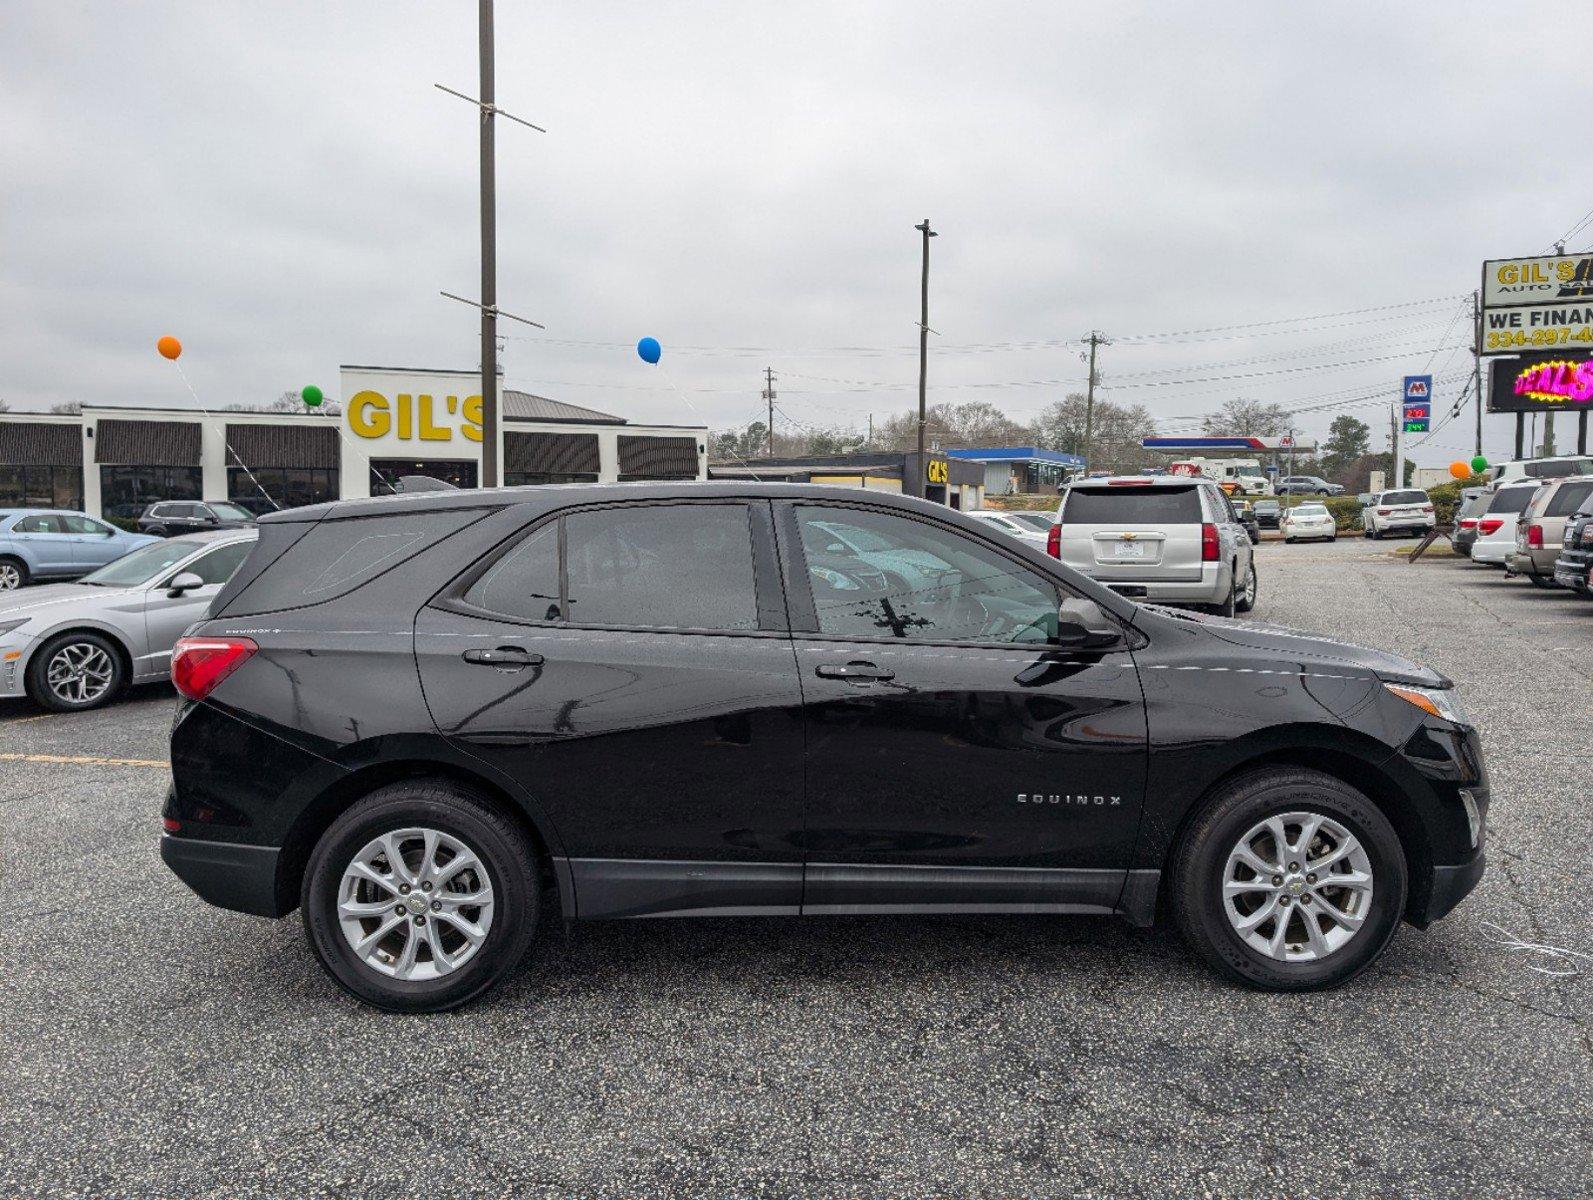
(183, 375)
(670, 380)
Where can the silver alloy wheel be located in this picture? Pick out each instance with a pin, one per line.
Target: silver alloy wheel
(415, 904)
(10, 577)
(1297, 886)
(80, 673)
(1250, 586)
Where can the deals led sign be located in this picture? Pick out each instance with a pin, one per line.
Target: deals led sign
(1541, 383)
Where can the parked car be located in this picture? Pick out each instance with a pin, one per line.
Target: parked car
(1176, 536)
(1038, 519)
(639, 701)
(169, 518)
(1308, 485)
(52, 543)
(1011, 526)
(1400, 510)
(73, 646)
(1466, 518)
(1542, 525)
(1247, 518)
(1540, 468)
(1496, 526)
(1269, 514)
(1308, 522)
(1576, 552)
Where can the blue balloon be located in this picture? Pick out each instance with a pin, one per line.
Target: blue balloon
(650, 350)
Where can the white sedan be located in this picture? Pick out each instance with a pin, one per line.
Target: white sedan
(1025, 527)
(1308, 521)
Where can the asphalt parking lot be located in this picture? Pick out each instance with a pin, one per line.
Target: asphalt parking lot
(152, 1045)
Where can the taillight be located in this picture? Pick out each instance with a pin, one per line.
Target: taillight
(1208, 543)
(1427, 508)
(1053, 540)
(1383, 512)
(1468, 522)
(198, 665)
(1535, 535)
(1490, 525)
(170, 824)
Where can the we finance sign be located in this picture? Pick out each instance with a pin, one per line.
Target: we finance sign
(435, 414)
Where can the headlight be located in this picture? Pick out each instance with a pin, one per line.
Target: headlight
(836, 580)
(1438, 702)
(7, 626)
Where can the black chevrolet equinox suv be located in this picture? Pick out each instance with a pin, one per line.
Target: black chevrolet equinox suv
(432, 721)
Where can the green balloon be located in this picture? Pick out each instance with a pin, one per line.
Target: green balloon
(312, 396)
(1479, 465)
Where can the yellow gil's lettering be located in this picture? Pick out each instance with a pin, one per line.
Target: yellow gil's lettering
(368, 416)
(428, 431)
(406, 416)
(1508, 273)
(472, 415)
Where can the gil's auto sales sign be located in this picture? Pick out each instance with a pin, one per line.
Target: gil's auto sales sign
(1540, 303)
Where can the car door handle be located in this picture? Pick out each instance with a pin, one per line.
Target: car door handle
(503, 656)
(859, 671)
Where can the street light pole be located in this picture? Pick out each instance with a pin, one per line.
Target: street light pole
(489, 260)
(920, 486)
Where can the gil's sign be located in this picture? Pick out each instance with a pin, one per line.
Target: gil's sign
(1537, 303)
(410, 412)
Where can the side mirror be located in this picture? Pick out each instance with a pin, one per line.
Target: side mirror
(187, 581)
(1081, 625)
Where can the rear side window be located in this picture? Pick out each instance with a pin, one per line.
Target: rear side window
(686, 566)
(1510, 500)
(1404, 497)
(524, 583)
(42, 523)
(335, 557)
(1569, 498)
(1133, 506)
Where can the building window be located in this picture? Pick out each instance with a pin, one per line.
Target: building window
(521, 478)
(287, 487)
(41, 487)
(642, 457)
(126, 491)
(386, 472)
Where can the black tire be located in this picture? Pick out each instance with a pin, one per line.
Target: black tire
(1539, 580)
(13, 573)
(1199, 860)
(1366, 533)
(1243, 603)
(501, 845)
(156, 531)
(1226, 607)
(36, 681)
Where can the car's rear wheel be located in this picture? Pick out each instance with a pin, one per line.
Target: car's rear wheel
(156, 531)
(13, 574)
(1539, 580)
(1290, 880)
(1226, 607)
(1247, 595)
(421, 897)
(76, 671)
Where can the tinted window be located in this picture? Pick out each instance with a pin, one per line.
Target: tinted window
(686, 566)
(1474, 506)
(523, 583)
(1041, 522)
(218, 565)
(1406, 497)
(875, 575)
(227, 512)
(1510, 500)
(1558, 469)
(39, 523)
(1133, 506)
(1569, 498)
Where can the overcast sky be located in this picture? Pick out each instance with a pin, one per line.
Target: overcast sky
(280, 186)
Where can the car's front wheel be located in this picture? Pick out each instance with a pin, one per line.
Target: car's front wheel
(421, 897)
(76, 671)
(13, 574)
(1289, 879)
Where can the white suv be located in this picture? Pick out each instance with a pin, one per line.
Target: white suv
(1403, 510)
(1171, 538)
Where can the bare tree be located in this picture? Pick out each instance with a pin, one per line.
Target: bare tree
(1247, 418)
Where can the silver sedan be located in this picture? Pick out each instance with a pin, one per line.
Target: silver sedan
(72, 646)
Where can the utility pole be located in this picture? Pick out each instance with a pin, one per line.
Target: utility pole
(489, 258)
(1096, 339)
(870, 443)
(1476, 360)
(768, 394)
(920, 485)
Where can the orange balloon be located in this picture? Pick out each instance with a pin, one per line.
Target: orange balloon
(1460, 470)
(169, 347)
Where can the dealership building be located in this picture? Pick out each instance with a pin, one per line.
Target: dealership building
(113, 461)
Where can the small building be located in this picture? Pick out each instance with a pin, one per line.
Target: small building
(1009, 470)
(946, 480)
(113, 461)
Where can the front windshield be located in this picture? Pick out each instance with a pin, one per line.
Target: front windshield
(142, 564)
(231, 512)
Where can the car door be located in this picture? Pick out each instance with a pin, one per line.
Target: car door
(166, 615)
(93, 544)
(44, 539)
(956, 756)
(1234, 539)
(629, 666)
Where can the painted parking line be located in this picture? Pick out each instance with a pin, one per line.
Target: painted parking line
(85, 760)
